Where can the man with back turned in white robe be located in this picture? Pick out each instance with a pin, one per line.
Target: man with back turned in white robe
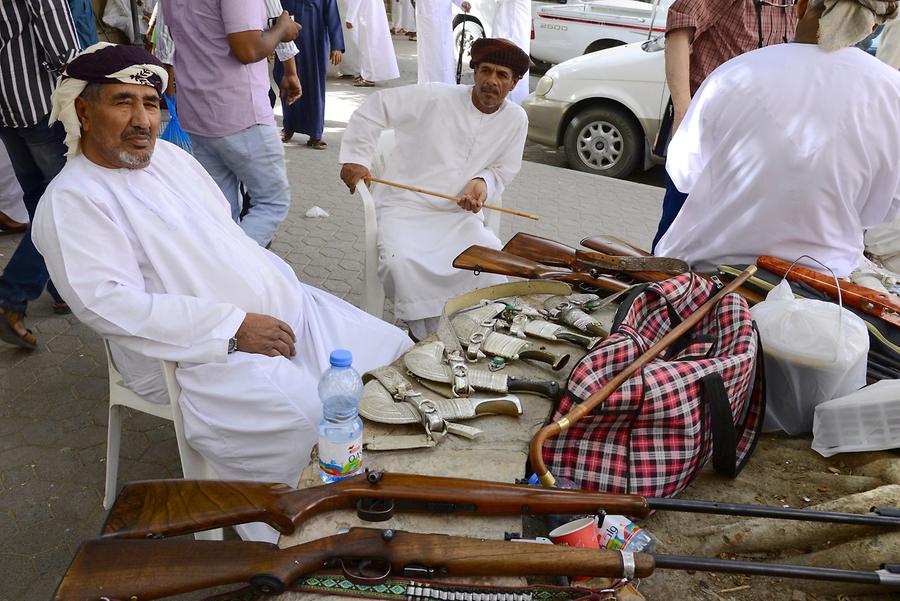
(791, 149)
(140, 241)
(462, 140)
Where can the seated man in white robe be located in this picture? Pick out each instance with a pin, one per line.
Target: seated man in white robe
(462, 140)
(142, 246)
(792, 149)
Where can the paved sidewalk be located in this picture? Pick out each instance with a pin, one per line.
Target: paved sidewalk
(54, 401)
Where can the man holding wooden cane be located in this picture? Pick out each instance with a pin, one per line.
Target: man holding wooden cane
(463, 140)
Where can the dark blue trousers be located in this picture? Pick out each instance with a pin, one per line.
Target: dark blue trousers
(672, 203)
(37, 154)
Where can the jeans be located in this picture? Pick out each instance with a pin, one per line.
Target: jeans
(254, 157)
(37, 154)
(672, 203)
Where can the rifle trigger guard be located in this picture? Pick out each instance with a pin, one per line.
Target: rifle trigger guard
(364, 564)
(375, 510)
(266, 584)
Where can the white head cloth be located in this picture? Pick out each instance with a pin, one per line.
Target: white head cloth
(69, 88)
(846, 22)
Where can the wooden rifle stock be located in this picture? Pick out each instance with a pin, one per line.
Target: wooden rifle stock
(881, 305)
(151, 569)
(557, 254)
(164, 508)
(613, 245)
(616, 246)
(480, 258)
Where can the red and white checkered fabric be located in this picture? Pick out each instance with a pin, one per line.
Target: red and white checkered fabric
(653, 435)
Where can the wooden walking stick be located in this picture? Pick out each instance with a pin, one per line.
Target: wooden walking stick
(588, 405)
(447, 196)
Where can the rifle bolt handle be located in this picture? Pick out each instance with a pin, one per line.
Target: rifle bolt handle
(387, 535)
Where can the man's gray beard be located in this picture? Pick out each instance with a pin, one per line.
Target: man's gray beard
(135, 160)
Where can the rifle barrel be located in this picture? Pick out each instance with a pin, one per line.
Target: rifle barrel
(777, 570)
(768, 511)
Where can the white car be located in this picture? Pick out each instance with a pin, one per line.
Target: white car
(561, 32)
(604, 108)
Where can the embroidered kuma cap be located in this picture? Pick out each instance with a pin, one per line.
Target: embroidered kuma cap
(500, 52)
(101, 63)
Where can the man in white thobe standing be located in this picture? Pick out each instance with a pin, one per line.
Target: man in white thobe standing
(141, 244)
(367, 23)
(513, 22)
(792, 149)
(462, 140)
(434, 40)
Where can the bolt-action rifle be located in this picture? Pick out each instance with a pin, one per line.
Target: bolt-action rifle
(151, 569)
(482, 259)
(163, 508)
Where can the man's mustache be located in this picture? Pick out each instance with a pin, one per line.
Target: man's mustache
(136, 132)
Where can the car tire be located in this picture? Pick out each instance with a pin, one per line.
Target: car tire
(473, 29)
(604, 141)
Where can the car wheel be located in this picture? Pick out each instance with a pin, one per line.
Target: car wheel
(604, 141)
(473, 31)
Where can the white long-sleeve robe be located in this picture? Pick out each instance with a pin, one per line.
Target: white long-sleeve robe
(513, 22)
(377, 61)
(350, 61)
(407, 16)
(434, 41)
(785, 151)
(150, 259)
(442, 142)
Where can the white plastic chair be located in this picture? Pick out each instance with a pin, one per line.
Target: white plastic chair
(373, 292)
(193, 465)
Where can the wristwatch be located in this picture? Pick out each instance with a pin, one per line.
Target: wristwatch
(232, 344)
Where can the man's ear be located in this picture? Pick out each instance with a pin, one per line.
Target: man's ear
(81, 109)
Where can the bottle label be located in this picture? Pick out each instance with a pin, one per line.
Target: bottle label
(617, 531)
(340, 459)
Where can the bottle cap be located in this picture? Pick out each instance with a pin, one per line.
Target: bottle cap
(341, 358)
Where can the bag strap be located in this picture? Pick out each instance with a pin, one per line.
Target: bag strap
(721, 421)
(625, 306)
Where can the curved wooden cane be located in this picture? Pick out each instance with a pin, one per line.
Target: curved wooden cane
(582, 409)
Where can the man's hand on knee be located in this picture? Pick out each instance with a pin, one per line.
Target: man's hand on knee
(473, 195)
(265, 335)
(351, 173)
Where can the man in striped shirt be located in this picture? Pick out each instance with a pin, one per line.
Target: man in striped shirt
(37, 38)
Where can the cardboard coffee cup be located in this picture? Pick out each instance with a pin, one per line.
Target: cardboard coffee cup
(578, 533)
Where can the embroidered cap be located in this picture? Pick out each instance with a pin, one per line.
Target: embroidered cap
(117, 63)
(101, 63)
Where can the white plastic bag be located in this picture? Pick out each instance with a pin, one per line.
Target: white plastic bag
(814, 351)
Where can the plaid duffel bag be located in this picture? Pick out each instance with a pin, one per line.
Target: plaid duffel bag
(702, 398)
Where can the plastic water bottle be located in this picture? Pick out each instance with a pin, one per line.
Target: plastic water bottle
(618, 532)
(340, 431)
